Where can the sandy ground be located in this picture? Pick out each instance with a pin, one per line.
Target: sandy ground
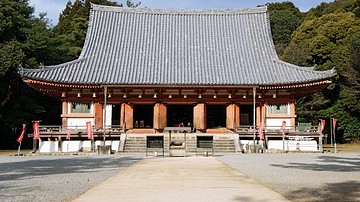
(311, 177)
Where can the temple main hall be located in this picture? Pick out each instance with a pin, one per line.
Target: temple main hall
(147, 70)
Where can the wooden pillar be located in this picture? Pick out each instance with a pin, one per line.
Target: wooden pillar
(262, 114)
(160, 115)
(200, 116)
(258, 114)
(98, 112)
(126, 116)
(232, 116)
(292, 113)
(64, 114)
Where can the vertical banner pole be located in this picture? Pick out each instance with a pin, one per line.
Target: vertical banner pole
(334, 125)
(331, 131)
(68, 140)
(36, 135)
(20, 138)
(283, 126)
(19, 149)
(105, 97)
(321, 129)
(254, 118)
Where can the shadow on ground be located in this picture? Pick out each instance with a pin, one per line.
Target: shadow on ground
(345, 191)
(327, 163)
(24, 169)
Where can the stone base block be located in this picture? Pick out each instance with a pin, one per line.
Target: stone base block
(104, 149)
(177, 152)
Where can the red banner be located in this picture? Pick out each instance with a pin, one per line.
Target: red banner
(283, 128)
(334, 123)
(322, 126)
(261, 132)
(68, 135)
(36, 130)
(89, 130)
(21, 136)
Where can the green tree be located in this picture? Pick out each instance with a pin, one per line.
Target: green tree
(283, 24)
(325, 42)
(73, 22)
(339, 6)
(14, 18)
(285, 18)
(25, 41)
(11, 56)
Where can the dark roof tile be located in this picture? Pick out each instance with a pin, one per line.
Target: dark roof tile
(178, 47)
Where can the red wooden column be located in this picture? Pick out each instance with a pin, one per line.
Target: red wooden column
(160, 114)
(292, 113)
(126, 116)
(232, 116)
(64, 114)
(260, 114)
(200, 116)
(98, 112)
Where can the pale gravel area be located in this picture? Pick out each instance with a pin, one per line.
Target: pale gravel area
(303, 177)
(299, 177)
(56, 178)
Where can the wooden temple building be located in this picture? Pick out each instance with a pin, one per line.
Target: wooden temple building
(148, 69)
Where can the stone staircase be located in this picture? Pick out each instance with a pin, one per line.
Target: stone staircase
(222, 144)
(135, 143)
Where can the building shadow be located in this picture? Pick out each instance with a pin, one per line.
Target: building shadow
(20, 170)
(344, 191)
(327, 163)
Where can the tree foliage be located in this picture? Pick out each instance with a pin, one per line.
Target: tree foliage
(329, 38)
(285, 18)
(340, 6)
(73, 22)
(14, 19)
(16, 25)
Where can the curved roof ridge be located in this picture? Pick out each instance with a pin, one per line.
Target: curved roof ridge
(308, 69)
(272, 44)
(51, 67)
(172, 11)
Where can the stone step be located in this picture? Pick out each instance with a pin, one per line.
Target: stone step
(137, 144)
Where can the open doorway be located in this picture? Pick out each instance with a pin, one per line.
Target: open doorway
(177, 114)
(143, 116)
(216, 116)
(115, 115)
(246, 115)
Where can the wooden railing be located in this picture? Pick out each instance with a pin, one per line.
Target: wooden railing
(56, 129)
(247, 129)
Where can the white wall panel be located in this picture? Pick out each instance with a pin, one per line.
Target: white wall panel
(274, 123)
(79, 122)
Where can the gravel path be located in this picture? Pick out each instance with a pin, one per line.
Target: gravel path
(299, 177)
(304, 177)
(55, 178)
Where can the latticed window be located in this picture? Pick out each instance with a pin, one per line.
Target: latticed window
(80, 107)
(277, 109)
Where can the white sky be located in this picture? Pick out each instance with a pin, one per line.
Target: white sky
(54, 7)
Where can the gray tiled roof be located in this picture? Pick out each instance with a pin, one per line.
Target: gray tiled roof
(178, 47)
